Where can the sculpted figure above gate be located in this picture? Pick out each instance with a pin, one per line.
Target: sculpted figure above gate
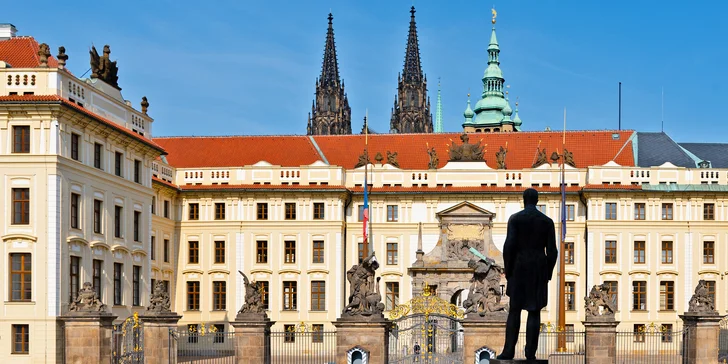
(365, 298)
(87, 300)
(253, 298)
(484, 297)
(701, 301)
(159, 302)
(466, 152)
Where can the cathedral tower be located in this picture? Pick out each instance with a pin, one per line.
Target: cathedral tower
(411, 111)
(330, 113)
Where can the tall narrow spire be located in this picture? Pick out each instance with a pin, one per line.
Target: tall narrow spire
(330, 113)
(438, 111)
(412, 68)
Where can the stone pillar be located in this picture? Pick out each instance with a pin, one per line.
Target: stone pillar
(159, 348)
(88, 337)
(252, 339)
(479, 332)
(703, 330)
(601, 340)
(370, 334)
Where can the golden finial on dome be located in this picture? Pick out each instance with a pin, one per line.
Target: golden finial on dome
(495, 14)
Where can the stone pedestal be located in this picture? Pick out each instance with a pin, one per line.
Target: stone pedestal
(158, 348)
(88, 337)
(702, 337)
(368, 334)
(252, 338)
(480, 332)
(601, 340)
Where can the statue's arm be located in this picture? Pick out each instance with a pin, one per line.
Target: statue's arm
(508, 246)
(552, 253)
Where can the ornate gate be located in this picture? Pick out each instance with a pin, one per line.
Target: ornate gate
(426, 330)
(127, 341)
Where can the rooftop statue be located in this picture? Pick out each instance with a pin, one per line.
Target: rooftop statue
(541, 159)
(432, 153)
(44, 52)
(466, 152)
(363, 159)
(500, 157)
(104, 68)
(569, 158)
(392, 159)
(87, 300)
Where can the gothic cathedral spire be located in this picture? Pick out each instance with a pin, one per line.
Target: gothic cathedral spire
(411, 111)
(330, 113)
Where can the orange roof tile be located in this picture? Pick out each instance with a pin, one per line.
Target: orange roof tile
(163, 182)
(612, 187)
(261, 187)
(236, 151)
(463, 189)
(40, 99)
(22, 52)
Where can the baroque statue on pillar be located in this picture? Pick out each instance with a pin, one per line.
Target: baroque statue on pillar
(598, 304)
(87, 301)
(365, 298)
(484, 297)
(253, 298)
(159, 302)
(702, 302)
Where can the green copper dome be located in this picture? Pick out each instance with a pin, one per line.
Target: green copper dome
(507, 111)
(468, 114)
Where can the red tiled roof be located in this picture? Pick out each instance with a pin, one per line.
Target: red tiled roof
(36, 99)
(163, 182)
(22, 52)
(260, 187)
(464, 189)
(237, 151)
(612, 187)
(589, 148)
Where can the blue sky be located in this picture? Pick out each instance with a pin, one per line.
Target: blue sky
(248, 67)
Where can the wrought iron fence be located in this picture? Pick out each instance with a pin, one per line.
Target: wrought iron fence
(422, 338)
(302, 344)
(651, 344)
(573, 352)
(723, 341)
(127, 341)
(199, 344)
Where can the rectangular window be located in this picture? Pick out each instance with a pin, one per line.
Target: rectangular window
(194, 252)
(290, 252)
(318, 251)
(667, 295)
(639, 211)
(710, 286)
(568, 252)
(392, 253)
(21, 339)
(289, 295)
(97, 264)
(541, 208)
(570, 293)
(318, 210)
(74, 279)
(166, 209)
(117, 221)
(570, 212)
(75, 210)
(261, 254)
(639, 333)
(137, 223)
(21, 139)
(136, 290)
(666, 252)
(610, 251)
(154, 205)
(137, 171)
(193, 296)
(666, 331)
(98, 216)
(219, 336)
(219, 211)
(21, 206)
(74, 146)
(165, 250)
(153, 250)
(392, 213)
(219, 252)
(361, 213)
(318, 296)
(118, 287)
(667, 211)
(262, 211)
(290, 211)
(363, 251)
(194, 211)
(569, 329)
(708, 252)
(290, 333)
(708, 211)
(639, 296)
(613, 293)
(392, 295)
(317, 333)
(98, 153)
(639, 252)
(119, 164)
(218, 295)
(193, 329)
(265, 287)
(610, 212)
(21, 277)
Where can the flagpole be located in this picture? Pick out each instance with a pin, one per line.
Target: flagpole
(562, 263)
(366, 185)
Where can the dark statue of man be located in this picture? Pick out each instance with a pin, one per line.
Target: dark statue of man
(529, 256)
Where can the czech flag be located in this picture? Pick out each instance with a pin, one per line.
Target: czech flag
(365, 218)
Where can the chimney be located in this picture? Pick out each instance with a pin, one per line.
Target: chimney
(7, 31)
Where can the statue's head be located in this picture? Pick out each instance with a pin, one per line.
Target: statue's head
(465, 138)
(472, 263)
(107, 49)
(87, 286)
(530, 197)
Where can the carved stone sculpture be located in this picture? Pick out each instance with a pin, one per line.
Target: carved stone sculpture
(363, 159)
(432, 153)
(253, 297)
(701, 302)
(555, 157)
(540, 159)
(569, 158)
(159, 302)
(145, 104)
(62, 57)
(365, 299)
(87, 300)
(485, 295)
(104, 68)
(379, 158)
(599, 303)
(500, 157)
(392, 159)
(466, 152)
(44, 51)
